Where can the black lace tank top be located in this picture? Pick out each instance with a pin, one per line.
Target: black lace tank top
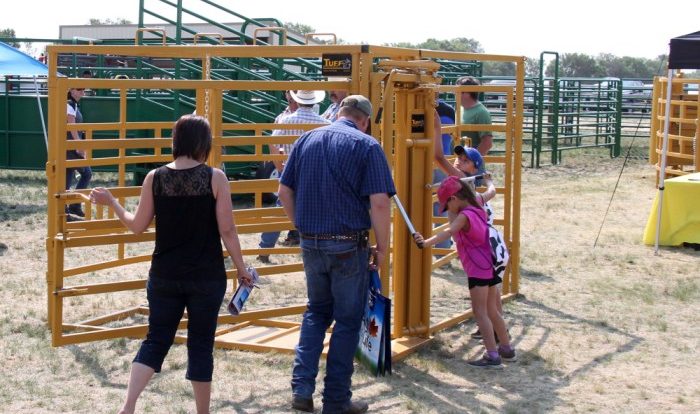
(188, 244)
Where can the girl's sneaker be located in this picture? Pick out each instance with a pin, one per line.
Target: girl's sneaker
(486, 362)
(508, 356)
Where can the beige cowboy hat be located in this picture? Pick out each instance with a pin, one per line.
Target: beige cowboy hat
(308, 97)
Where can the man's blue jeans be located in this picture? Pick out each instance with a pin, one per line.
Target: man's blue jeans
(83, 182)
(336, 282)
(438, 176)
(85, 172)
(269, 239)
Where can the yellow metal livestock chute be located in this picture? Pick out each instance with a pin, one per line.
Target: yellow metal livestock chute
(95, 275)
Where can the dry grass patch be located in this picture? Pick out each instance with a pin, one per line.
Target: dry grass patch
(604, 329)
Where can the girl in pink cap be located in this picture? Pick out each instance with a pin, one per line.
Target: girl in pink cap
(469, 229)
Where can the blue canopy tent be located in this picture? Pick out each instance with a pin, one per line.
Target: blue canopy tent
(14, 62)
(17, 63)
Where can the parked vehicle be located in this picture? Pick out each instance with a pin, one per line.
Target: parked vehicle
(497, 100)
(636, 96)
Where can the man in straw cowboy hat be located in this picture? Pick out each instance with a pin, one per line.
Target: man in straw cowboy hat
(304, 114)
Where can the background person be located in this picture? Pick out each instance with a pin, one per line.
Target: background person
(446, 116)
(74, 116)
(304, 114)
(335, 186)
(474, 112)
(193, 204)
(470, 162)
(336, 96)
(269, 239)
(87, 74)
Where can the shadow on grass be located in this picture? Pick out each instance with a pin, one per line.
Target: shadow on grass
(632, 340)
(535, 275)
(10, 212)
(23, 178)
(531, 384)
(93, 364)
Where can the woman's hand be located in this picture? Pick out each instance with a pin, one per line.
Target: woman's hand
(418, 238)
(245, 278)
(101, 195)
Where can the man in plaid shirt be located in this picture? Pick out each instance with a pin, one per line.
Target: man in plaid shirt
(335, 187)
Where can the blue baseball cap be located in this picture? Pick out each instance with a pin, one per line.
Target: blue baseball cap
(474, 155)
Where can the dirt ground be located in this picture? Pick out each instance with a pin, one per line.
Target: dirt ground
(607, 329)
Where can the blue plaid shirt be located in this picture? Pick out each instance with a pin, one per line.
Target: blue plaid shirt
(333, 170)
(331, 112)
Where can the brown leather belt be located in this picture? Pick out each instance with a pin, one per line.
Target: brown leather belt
(360, 235)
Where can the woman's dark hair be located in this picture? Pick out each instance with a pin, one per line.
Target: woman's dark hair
(69, 96)
(467, 193)
(469, 80)
(192, 137)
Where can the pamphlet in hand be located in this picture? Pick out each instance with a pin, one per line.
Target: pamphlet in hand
(235, 306)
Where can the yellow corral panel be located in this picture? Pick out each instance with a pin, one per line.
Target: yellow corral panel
(400, 83)
(682, 156)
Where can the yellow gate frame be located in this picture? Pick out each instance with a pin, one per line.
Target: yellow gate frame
(682, 155)
(400, 81)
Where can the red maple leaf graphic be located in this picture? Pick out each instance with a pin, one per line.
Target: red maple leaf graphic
(373, 328)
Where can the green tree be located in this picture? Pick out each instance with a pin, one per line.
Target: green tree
(576, 65)
(10, 34)
(109, 21)
(305, 29)
(499, 68)
(631, 67)
(458, 44)
(299, 28)
(532, 67)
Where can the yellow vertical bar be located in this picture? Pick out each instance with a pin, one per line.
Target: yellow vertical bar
(57, 301)
(413, 171)
(424, 195)
(400, 276)
(517, 169)
(158, 133)
(199, 101)
(382, 132)
(383, 97)
(52, 223)
(508, 183)
(122, 153)
(696, 147)
(215, 120)
(361, 69)
(654, 122)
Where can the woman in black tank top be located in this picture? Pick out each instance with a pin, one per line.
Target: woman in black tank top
(192, 203)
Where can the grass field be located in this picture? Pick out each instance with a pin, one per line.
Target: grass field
(607, 329)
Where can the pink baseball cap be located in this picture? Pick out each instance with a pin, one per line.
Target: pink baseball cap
(448, 187)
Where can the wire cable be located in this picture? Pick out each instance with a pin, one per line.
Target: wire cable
(627, 156)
